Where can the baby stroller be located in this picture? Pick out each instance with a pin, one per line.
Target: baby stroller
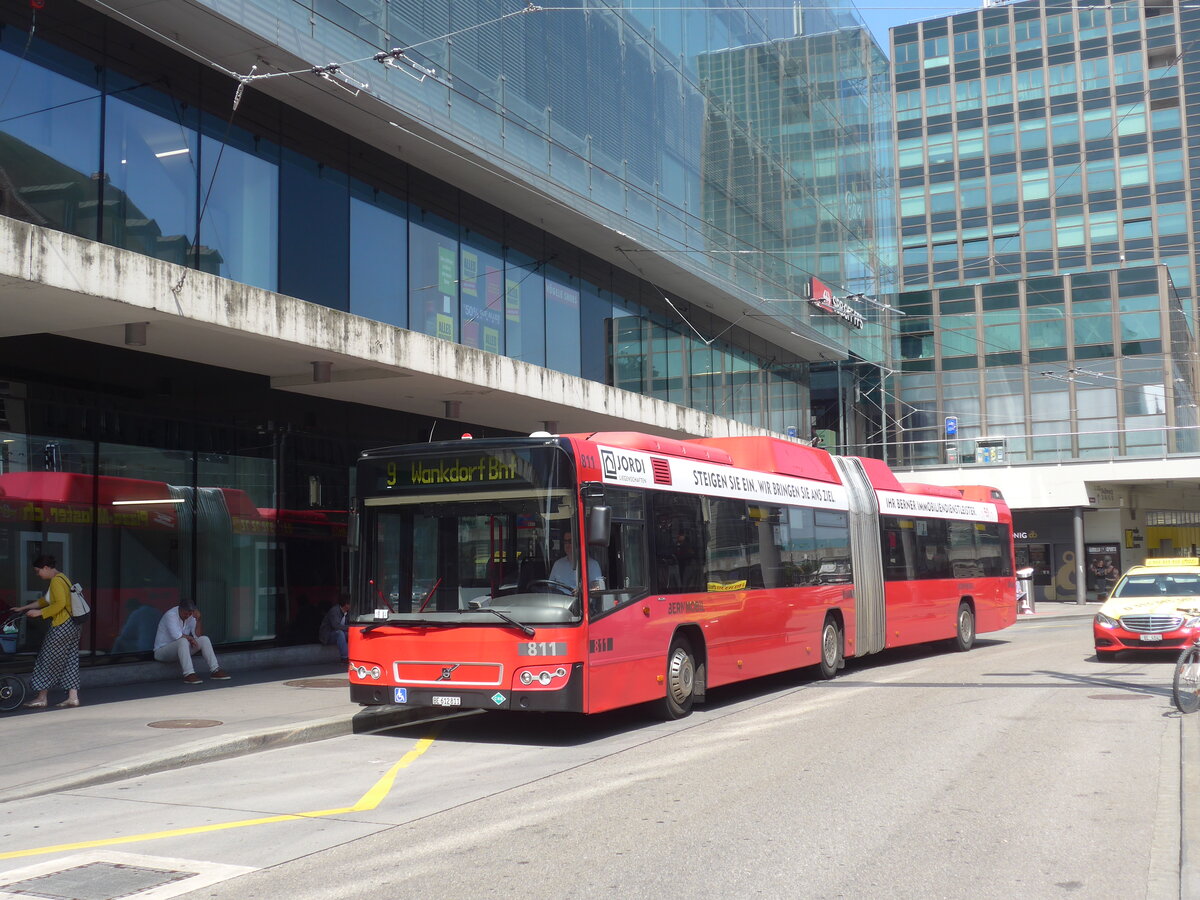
(12, 688)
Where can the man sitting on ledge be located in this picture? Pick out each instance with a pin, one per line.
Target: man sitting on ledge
(179, 638)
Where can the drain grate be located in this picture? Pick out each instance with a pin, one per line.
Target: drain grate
(185, 723)
(319, 683)
(95, 881)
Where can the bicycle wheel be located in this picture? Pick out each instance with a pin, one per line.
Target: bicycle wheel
(12, 692)
(1186, 687)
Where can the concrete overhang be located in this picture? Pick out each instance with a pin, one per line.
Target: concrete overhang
(404, 134)
(1074, 484)
(51, 282)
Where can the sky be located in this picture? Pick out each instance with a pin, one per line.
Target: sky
(880, 15)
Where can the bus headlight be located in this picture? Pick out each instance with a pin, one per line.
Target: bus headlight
(363, 672)
(1106, 621)
(544, 677)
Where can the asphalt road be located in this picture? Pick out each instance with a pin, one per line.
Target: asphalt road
(1023, 768)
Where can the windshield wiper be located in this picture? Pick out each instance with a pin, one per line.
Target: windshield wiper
(421, 623)
(442, 623)
(527, 629)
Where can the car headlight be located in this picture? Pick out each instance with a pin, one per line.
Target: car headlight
(1106, 621)
(1193, 622)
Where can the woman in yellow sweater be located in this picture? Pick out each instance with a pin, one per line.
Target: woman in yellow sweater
(58, 660)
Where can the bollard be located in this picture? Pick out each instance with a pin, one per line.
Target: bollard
(1025, 601)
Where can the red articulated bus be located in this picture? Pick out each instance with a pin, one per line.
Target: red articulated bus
(703, 562)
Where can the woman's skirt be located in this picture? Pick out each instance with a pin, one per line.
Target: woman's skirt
(58, 660)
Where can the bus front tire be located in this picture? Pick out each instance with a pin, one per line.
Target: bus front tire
(964, 630)
(832, 649)
(681, 680)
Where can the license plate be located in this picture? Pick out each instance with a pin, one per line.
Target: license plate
(1151, 637)
(447, 701)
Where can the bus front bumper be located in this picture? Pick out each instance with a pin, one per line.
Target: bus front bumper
(568, 698)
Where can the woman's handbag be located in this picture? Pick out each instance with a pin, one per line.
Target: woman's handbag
(79, 605)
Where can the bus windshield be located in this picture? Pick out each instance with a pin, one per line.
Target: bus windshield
(461, 551)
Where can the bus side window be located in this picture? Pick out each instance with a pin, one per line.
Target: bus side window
(623, 561)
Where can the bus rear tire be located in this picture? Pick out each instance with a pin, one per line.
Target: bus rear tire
(832, 648)
(681, 680)
(964, 631)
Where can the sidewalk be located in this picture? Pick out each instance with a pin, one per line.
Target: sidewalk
(1048, 609)
(124, 730)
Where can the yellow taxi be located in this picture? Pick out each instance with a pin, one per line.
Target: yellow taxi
(1155, 606)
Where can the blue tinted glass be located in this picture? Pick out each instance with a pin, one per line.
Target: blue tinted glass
(481, 285)
(379, 260)
(49, 145)
(562, 321)
(150, 181)
(433, 275)
(239, 224)
(314, 232)
(524, 309)
(595, 318)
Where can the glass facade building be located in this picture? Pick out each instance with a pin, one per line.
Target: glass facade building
(1048, 245)
(413, 164)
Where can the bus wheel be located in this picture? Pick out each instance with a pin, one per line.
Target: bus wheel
(681, 680)
(964, 632)
(831, 648)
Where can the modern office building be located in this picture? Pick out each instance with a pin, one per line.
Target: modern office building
(245, 240)
(1046, 176)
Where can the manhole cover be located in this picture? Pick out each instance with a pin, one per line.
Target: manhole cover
(96, 881)
(185, 723)
(1118, 696)
(319, 683)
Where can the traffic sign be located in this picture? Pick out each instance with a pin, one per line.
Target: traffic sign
(951, 426)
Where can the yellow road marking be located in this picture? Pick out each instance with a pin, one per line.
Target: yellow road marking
(370, 800)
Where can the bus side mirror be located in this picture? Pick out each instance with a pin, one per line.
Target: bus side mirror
(599, 526)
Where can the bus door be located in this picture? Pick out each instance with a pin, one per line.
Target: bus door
(624, 647)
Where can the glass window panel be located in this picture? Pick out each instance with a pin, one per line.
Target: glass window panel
(1027, 34)
(1093, 330)
(314, 231)
(999, 90)
(1131, 119)
(967, 94)
(379, 260)
(525, 312)
(1062, 79)
(50, 143)
(562, 321)
(1035, 185)
(150, 185)
(1030, 84)
(1142, 326)
(433, 269)
(1094, 72)
(481, 290)
(239, 230)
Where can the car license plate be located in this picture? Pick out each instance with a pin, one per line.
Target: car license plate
(1151, 637)
(447, 701)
